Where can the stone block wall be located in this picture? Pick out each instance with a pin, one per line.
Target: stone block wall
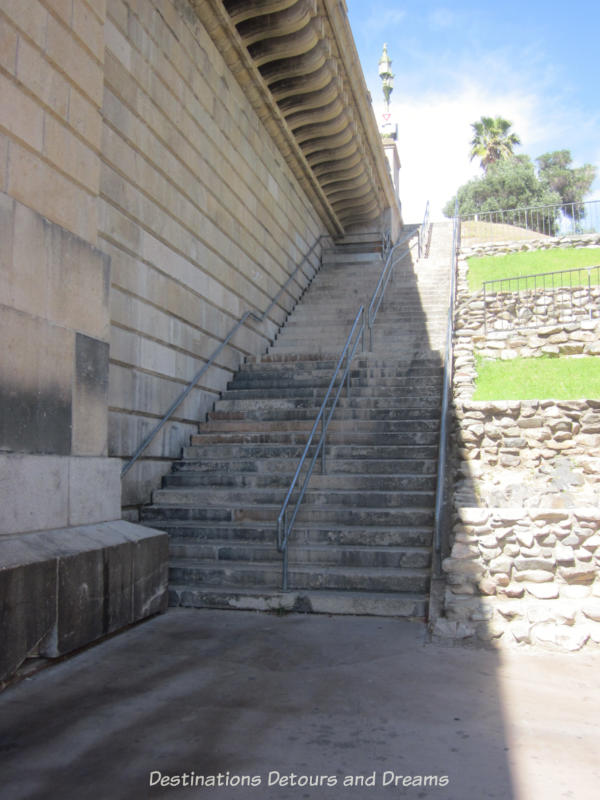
(202, 219)
(70, 571)
(54, 279)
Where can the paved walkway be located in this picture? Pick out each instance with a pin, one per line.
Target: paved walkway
(257, 698)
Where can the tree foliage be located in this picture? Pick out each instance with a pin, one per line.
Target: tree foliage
(492, 141)
(511, 182)
(507, 185)
(570, 183)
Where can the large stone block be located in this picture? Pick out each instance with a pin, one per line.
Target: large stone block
(94, 490)
(90, 397)
(62, 589)
(34, 492)
(27, 601)
(35, 385)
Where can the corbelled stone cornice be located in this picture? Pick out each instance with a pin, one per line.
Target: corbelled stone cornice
(297, 62)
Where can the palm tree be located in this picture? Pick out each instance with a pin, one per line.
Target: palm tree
(492, 142)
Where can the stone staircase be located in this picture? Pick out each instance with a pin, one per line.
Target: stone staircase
(362, 540)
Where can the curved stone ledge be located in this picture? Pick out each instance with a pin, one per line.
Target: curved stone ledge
(300, 60)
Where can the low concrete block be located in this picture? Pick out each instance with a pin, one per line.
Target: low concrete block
(65, 588)
(27, 601)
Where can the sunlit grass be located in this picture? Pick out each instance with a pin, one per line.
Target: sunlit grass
(488, 268)
(538, 379)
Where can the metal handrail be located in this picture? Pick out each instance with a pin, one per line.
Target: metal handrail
(448, 369)
(384, 279)
(285, 526)
(423, 230)
(247, 315)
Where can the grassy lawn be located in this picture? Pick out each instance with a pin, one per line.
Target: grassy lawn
(538, 379)
(488, 268)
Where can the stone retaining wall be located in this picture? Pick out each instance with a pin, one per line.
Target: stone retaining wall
(524, 560)
(543, 243)
(526, 324)
(524, 576)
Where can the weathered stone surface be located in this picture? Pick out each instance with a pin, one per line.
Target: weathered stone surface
(452, 629)
(473, 516)
(501, 564)
(461, 550)
(487, 586)
(560, 638)
(575, 591)
(543, 591)
(578, 574)
(521, 564)
(27, 600)
(521, 632)
(591, 609)
(64, 588)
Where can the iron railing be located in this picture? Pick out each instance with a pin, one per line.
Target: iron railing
(441, 508)
(423, 231)
(560, 219)
(395, 255)
(526, 301)
(242, 321)
(285, 524)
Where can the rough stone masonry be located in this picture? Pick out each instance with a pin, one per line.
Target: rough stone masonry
(524, 564)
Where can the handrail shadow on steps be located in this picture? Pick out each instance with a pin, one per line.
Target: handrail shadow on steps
(245, 316)
(357, 333)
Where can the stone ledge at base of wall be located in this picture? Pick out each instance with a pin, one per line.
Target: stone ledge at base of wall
(63, 589)
(523, 577)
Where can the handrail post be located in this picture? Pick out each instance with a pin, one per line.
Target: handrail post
(324, 439)
(284, 569)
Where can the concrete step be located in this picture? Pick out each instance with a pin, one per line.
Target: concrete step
(401, 424)
(244, 497)
(181, 531)
(270, 460)
(250, 575)
(224, 445)
(344, 258)
(271, 412)
(387, 384)
(263, 480)
(308, 514)
(312, 360)
(360, 396)
(392, 604)
(226, 552)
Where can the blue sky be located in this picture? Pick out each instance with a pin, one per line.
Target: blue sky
(534, 63)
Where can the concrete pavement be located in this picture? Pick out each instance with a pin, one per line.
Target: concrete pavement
(268, 705)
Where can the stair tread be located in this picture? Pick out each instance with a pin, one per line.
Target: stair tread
(256, 566)
(261, 590)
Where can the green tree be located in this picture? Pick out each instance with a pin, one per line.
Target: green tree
(492, 141)
(570, 183)
(508, 185)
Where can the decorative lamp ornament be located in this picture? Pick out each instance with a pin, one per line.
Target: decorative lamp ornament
(389, 131)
